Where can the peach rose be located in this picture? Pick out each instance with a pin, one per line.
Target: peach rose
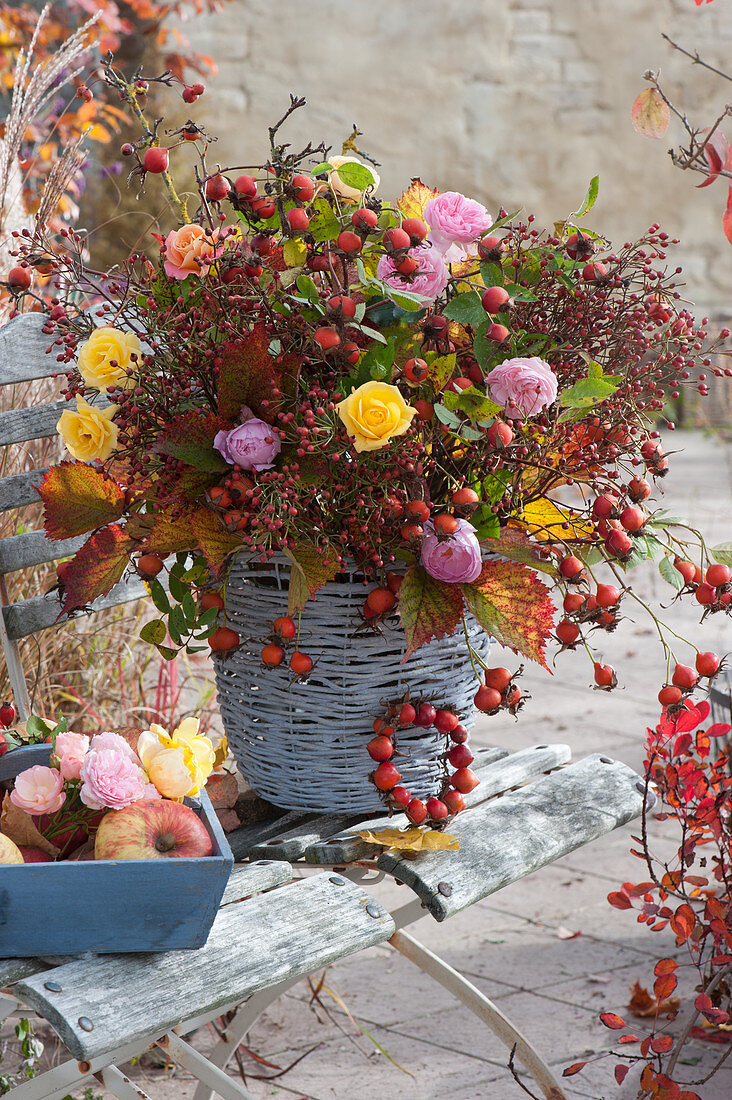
(189, 250)
(39, 790)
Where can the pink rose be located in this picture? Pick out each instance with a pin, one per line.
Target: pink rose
(109, 740)
(110, 780)
(523, 387)
(254, 445)
(39, 790)
(429, 280)
(189, 251)
(455, 223)
(69, 752)
(455, 559)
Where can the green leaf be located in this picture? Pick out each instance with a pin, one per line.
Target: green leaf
(471, 402)
(37, 729)
(324, 225)
(492, 274)
(177, 625)
(722, 553)
(520, 293)
(513, 606)
(428, 608)
(589, 391)
(447, 417)
(178, 589)
(307, 288)
(154, 632)
(189, 608)
(589, 200)
(159, 596)
(501, 222)
(311, 569)
(467, 309)
(670, 573)
(326, 166)
(440, 369)
(357, 176)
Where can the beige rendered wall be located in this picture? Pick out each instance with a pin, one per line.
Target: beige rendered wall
(514, 102)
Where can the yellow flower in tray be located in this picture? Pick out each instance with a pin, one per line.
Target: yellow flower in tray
(374, 414)
(105, 359)
(89, 433)
(178, 764)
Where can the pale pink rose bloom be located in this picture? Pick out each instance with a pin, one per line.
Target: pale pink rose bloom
(111, 780)
(455, 222)
(429, 280)
(109, 740)
(523, 387)
(69, 752)
(39, 790)
(455, 559)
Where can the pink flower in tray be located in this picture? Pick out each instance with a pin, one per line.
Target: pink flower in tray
(254, 445)
(109, 740)
(39, 790)
(429, 280)
(523, 387)
(111, 780)
(455, 222)
(69, 752)
(456, 559)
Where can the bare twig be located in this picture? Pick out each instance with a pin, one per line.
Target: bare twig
(696, 59)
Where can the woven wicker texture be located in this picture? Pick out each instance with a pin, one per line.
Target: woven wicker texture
(303, 745)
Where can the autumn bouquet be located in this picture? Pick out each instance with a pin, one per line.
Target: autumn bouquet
(438, 401)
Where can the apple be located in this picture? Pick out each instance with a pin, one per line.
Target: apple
(160, 829)
(33, 855)
(9, 851)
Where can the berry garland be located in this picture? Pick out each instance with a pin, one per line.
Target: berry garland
(440, 808)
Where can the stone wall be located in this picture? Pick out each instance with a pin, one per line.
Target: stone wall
(515, 102)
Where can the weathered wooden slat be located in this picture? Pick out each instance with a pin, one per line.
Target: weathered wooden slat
(254, 878)
(41, 612)
(23, 347)
(289, 931)
(20, 425)
(33, 548)
(293, 843)
(12, 970)
(497, 771)
(242, 841)
(505, 839)
(20, 489)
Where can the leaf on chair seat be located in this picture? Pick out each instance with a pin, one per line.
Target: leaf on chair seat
(411, 840)
(20, 828)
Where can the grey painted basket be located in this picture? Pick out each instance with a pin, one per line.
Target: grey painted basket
(303, 745)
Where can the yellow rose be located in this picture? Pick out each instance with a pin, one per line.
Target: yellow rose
(178, 764)
(374, 414)
(170, 773)
(88, 433)
(338, 187)
(105, 359)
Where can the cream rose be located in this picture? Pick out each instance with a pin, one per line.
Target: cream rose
(374, 414)
(105, 359)
(89, 434)
(338, 187)
(178, 764)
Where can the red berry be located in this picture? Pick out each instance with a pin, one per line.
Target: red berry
(285, 627)
(155, 160)
(212, 599)
(19, 278)
(273, 655)
(464, 780)
(394, 582)
(223, 640)
(499, 435)
(407, 714)
(263, 244)
(352, 352)
(459, 735)
(415, 371)
(639, 489)
(579, 246)
(669, 696)
(607, 595)
(396, 239)
(303, 188)
(7, 714)
(326, 338)
(437, 809)
(460, 756)
(263, 208)
(618, 543)
(425, 410)
(445, 525)
(298, 219)
(705, 595)
(127, 150)
(592, 273)
(632, 518)
(246, 186)
(446, 720)
(406, 266)
(149, 565)
(498, 678)
(494, 299)
(425, 715)
(717, 575)
(707, 664)
(687, 569)
(454, 801)
(342, 305)
(386, 776)
(604, 506)
(364, 218)
(381, 600)
(416, 811)
(684, 677)
(349, 242)
(567, 632)
(487, 699)
(380, 748)
(198, 89)
(573, 602)
(411, 531)
(497, 333)
(418, 509)
(489, 248)
(416, 228)
(401, 796)
(571, 567)
(300, 663)
(513, 697)
(217, 188)
(465, 498)
(3, 744)
(605, 675)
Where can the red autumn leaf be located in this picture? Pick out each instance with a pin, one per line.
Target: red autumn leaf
(248, 374)
(625, 1039)
(612, 1020)
(78, 498)
(715, 1015)
(661, 1044)
(213, 539)
(683, 921)
(665, 966)
(311, 569)
(719, 729)
(427, 608)
(621, 1073)
(574, 1068)
(619, 900)
(96, 567)
(727, 216)
(640, 889)
(650, 114)
(164, 531)
(189, 438)
(717, 152)
(513, 605)
(664, 986)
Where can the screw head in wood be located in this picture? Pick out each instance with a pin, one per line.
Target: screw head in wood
(337, 880)
(373, 910)
(85, 1023)
(53, 987)
(444, 888)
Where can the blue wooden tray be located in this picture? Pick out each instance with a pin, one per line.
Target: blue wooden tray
(110, 906)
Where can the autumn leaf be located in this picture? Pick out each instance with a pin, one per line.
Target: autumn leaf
(727, 216)
(96, 567)
(214, 541)
(311, 569)
(513, 605)
(546, 521)
(411, 203)
(411, 840)
(644, 1006)
(78, 498)
(20, 828)
(428, 608)
(516, 545)
(189, 438)
(574, 1068)
(612, 1020)
(248, 374)
(165, 532)
(650, 114)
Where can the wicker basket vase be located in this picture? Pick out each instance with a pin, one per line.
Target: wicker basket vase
(302, 745)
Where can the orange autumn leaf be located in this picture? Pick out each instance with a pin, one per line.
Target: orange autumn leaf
(412, 202)
(411, 840)
(547, 521)
(644, 1006)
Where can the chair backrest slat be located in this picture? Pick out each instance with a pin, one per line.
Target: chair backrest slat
(41, 612)
(18, 490)
(23, 347)
(33, 548)
(21, 425)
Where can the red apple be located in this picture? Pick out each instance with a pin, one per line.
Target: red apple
(33, 855)
(9, 851)
(152, 830)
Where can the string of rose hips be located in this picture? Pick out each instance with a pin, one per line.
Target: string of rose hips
(499, 692)
(285, 629)
(383, 747)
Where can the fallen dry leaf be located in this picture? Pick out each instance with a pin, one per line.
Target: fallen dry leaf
(411, 840)
(221, 752)
(223, 790)
(643, 1004)
(18, 825)
(228, 819)
(565, 934)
